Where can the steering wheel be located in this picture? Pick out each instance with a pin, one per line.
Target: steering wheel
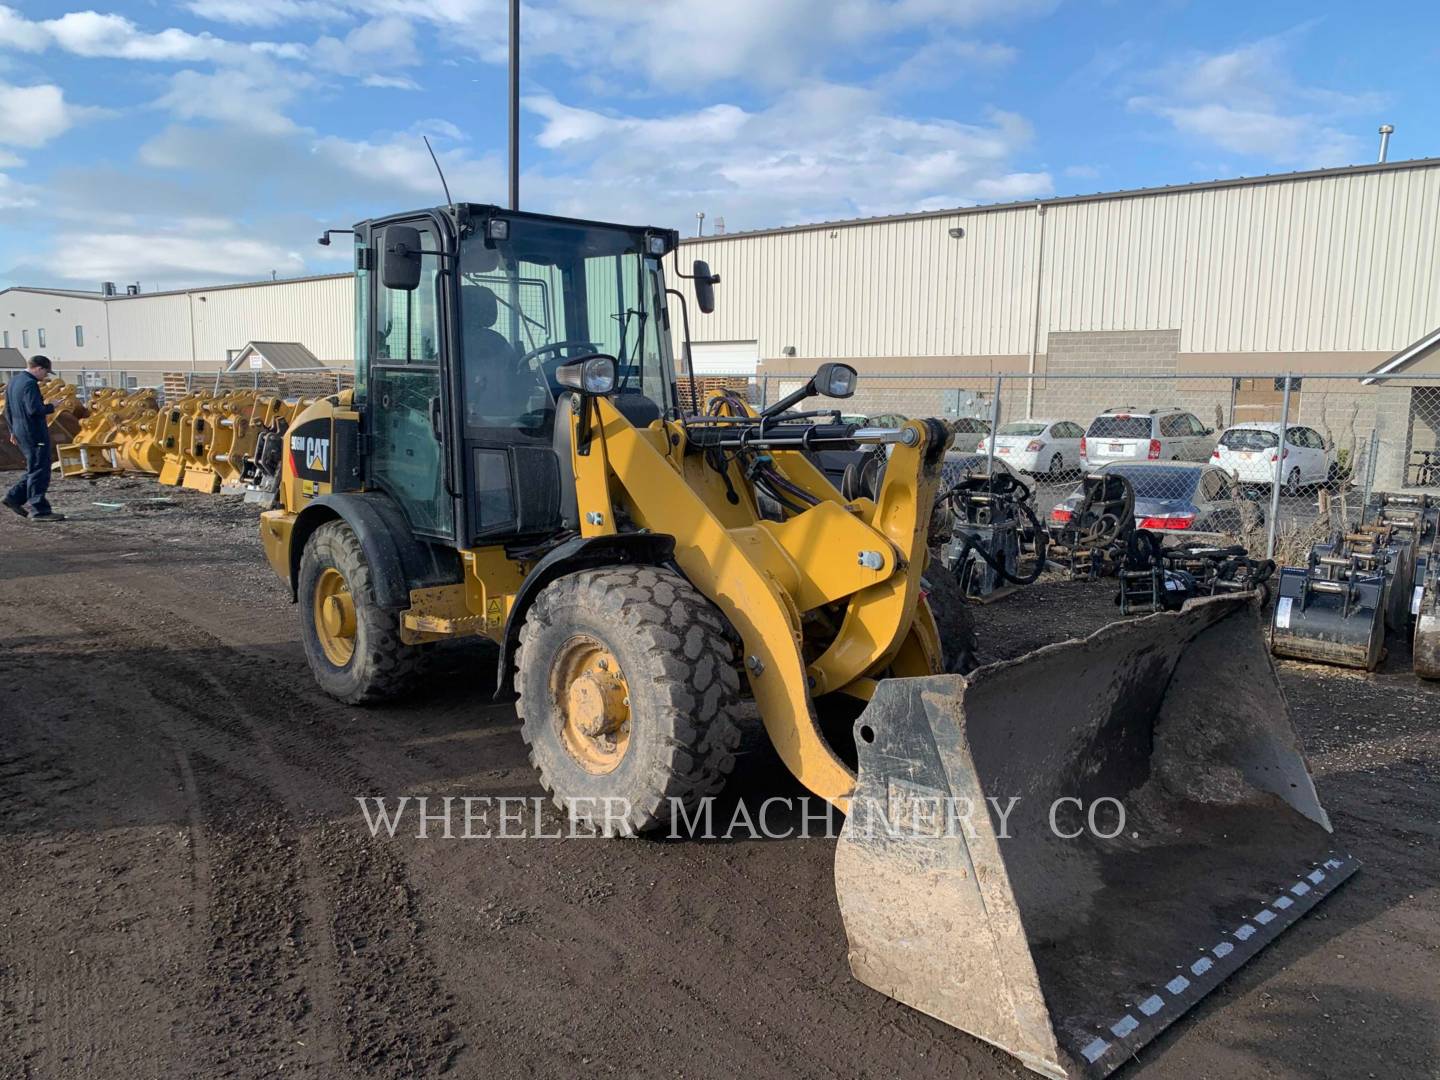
(556, 346)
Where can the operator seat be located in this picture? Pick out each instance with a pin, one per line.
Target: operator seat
(495, 387)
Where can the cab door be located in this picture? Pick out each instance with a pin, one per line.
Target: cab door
(405, 410)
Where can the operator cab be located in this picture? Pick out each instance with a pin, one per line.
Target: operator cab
(465, 316)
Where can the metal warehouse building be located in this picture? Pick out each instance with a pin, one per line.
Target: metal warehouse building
(1331, 270)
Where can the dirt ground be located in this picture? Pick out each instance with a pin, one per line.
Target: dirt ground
(188, 888)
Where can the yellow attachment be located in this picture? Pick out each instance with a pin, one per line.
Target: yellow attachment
(335, 616)
(593, 698)
(85, 460)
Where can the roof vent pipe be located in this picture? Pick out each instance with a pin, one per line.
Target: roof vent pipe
(1386, 130)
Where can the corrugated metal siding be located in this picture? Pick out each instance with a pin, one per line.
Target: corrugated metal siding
(151, 328)
(318, 314)
(1347, 263)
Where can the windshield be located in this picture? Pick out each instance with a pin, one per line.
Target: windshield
(1021, 429)
(549, 294)
(1158, 481)
(1120, 427)
(1249, 439)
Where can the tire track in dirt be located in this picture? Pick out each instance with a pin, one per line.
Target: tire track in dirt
(403, 1032)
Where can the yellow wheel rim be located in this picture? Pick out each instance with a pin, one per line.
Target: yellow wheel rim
(592, 703)
(335, 617)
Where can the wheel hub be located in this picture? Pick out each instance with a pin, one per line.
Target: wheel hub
(593, 702)
(335, 616)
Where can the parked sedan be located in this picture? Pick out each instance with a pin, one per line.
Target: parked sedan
(1248, 452)
(1173, 496)
(1051, 447)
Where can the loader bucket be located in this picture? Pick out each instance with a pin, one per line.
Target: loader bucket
(1067, 949)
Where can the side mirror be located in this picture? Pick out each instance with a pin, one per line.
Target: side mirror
(705, 283)
(835, 380)
(593, 375)
(400, 258)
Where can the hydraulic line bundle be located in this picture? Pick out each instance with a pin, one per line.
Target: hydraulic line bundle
(1159, 578)
(991, 524)
(1092, 540)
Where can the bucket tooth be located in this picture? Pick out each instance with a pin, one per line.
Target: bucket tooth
(1068, 948)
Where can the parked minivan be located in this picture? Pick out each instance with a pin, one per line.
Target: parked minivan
(1146, 435)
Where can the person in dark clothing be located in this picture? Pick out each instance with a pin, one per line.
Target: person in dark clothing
(26, 412)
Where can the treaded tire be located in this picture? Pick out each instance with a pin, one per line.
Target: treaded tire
(958, 641)
(382, 665)
(671, 645)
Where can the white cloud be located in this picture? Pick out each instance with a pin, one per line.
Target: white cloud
(371, 51)
(390, 82)
(199, 252)
(33, 115)
(691, 43)
(265, 12)
(1247, 101)
(14, 195)
(253, 101)
(821, 151)
(93, 34)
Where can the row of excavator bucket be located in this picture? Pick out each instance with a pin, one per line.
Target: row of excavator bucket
(1379, 576)
(202, 441)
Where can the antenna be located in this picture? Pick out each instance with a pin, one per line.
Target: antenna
(448, 200)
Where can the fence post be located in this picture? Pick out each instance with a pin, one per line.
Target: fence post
(1370, 456)
(994, 427)
(1279, 471)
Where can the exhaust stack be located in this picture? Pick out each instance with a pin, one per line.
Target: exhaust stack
(1386, 130)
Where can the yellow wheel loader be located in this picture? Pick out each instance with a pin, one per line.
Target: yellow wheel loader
(514, 463)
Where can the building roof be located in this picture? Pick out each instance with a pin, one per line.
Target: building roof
(1062, 200)
(11, 358)
(78, 294)
(277, 355)
(1407, 356)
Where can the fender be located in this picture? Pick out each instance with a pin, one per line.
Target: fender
(579, 553)
(398, 560)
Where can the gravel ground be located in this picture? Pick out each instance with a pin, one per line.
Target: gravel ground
(188, 890)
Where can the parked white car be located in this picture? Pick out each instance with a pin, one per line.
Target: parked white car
(1049, 447)
(1248, 451)
(1146, 435)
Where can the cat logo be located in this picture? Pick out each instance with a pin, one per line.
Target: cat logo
(315, 453)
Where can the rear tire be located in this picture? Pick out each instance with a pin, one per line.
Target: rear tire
(1057, 467)
(951, 611)
(1292, 483)
(673, 740)
(369, 662)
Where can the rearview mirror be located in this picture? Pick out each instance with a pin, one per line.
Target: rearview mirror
(705, 283)
(593, 375)
(835, 380)
(400, 258)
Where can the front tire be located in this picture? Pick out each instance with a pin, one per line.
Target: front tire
(629, 699)
(352, 643)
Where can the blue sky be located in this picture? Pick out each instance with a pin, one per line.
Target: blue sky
(211, 140)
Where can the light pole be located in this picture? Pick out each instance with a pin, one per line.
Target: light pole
(514, 104)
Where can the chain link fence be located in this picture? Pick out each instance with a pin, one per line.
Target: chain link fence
(1204, 453)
